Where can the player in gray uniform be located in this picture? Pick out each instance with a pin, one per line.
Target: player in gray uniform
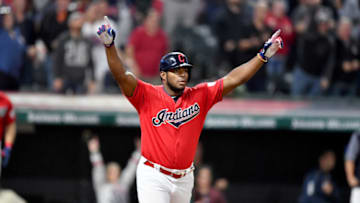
(110, 184)
(352, 167)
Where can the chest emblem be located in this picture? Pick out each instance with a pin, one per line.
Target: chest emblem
(177, 118)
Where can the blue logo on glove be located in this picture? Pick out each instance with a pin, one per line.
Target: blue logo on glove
(6, 156)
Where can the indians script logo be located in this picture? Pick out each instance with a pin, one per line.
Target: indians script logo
(178, 117)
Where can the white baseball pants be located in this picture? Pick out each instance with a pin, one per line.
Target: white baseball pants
(154, 186)
(355, 195)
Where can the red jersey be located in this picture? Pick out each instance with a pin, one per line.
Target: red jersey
(170, 131)
(7, 113)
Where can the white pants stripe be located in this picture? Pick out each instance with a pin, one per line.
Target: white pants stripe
(154, 186)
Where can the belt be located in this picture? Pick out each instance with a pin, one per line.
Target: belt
(166, 172)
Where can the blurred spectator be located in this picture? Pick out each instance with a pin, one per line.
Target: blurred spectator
(303, 19)
(125, 23)
(40, 4)
(352, 166)
(221, 184)
(6, 2)
(334, 6)
(318, 186)
(257, 33)
(53, 23)
(204, 191)
(315, 52)
(12, 53)
(347, 64)
(230, 27)
(24, 15)
(304, 16)
(180, 13)
(277, 19)
(351, 9)
(147, 44)
(139, 9)
(82, 5)
(94, 19)
(7, 128)
(24, 20)
(209, 11)
(200, 44)
(110, 183)
(73, 66)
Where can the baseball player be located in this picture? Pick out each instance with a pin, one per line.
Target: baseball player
(7, 127)
(352, 169)
(172, 116)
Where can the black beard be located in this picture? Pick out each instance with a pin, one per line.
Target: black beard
(174, 89)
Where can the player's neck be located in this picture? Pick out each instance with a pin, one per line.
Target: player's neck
(172, 92)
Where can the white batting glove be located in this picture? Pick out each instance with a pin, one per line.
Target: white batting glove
(271, 46)
(106, 33)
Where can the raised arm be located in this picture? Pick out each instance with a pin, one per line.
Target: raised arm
(244, 72)
(98, 170)
(9, 134)
(125, 79)
(350, 173)
(351, 154)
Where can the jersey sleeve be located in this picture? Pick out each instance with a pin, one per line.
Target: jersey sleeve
(10, 114)
(352, 149)
(214, 93)
(138, 97)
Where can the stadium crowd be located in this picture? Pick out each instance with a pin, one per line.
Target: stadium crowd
(52, 46)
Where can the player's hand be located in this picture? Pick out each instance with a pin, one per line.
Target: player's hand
(91, 87)
(93, 145)
(327, 187)
(271, 46)
(353, 182)
(106, 33)
(324, 83)
(6, 155)
(58, 84)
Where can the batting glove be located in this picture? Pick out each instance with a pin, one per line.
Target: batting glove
(106, 33)
(271, 46)
(6, 154)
